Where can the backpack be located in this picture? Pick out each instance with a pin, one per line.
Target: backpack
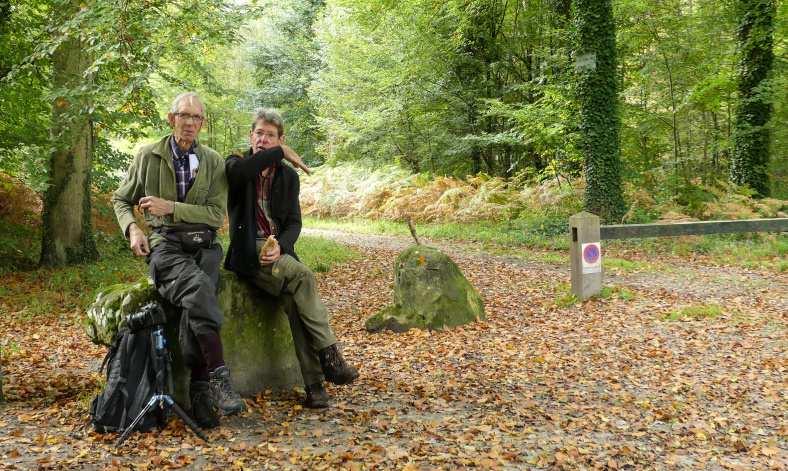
(131, 382)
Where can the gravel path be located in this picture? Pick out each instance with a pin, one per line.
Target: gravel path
(682, 278)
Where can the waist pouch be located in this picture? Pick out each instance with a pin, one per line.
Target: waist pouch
(191, 236)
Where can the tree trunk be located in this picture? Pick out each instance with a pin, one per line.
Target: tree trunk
(750, 160)
(599, 119)
(67, 233)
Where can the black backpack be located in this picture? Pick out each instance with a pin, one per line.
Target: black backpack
(131, 382)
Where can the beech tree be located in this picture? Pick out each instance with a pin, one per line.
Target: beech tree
(97, 60)
(67, 235)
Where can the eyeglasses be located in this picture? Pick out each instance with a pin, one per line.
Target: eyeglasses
(270, 136)
(194, 117)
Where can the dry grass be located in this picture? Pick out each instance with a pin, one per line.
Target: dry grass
(390, 193)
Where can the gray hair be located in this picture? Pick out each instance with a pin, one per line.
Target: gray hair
(188, 96)
(270, 116)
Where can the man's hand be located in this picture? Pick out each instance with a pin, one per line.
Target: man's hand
(271, 255)
(295, 159)
(138, 241)
(157, 206)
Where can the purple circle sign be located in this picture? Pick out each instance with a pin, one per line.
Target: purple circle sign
(591, 253)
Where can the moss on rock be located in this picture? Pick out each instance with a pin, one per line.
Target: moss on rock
(430, 292)
(258, 345)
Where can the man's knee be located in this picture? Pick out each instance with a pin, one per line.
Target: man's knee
(299, 271)
(199, 289)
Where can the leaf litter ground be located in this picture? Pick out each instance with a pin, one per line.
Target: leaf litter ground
(604, 384)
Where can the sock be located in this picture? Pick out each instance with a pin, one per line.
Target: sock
(211, 346)
(199, 373)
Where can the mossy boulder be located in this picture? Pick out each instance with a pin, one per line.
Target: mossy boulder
(258, 345)
(430, 292)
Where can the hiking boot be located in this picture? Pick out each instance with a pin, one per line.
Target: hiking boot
(224, 396)
(204, 410)
(316, 396)
(334, 366)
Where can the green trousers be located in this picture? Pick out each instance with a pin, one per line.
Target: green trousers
(295, 284)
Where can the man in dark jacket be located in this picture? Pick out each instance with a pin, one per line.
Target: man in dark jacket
(263, 202)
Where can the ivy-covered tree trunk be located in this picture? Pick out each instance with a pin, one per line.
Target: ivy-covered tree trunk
(751, 135)
(595, 55)
(67, 234)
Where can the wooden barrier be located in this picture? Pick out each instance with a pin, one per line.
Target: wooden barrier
(586, 235)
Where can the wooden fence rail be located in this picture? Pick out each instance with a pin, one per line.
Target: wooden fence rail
(629, 231)
(586, 236)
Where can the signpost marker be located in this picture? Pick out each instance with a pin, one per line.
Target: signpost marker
(585, 255)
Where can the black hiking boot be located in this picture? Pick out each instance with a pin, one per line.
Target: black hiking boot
(227, 400)
(204, 410)
(316, 396)
(335, 368)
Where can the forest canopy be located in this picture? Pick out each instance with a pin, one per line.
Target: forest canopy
(695, 89)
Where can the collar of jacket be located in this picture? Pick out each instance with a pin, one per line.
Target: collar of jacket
(163, 150)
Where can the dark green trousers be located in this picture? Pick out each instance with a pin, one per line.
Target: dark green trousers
(295, 284)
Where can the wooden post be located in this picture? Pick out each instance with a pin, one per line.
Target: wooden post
(585, 255)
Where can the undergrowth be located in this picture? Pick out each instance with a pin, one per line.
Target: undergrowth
(29, 292)
(513, 217)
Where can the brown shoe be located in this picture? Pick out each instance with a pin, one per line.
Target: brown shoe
(204, 410)
(225, 397)
(335, 368)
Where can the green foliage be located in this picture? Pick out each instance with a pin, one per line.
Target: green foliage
(19, 247)
(617, 292)
(28, 164)
(452, 88)
(694, 198)
(284, 54)
(62, 289)
(564, 297)
(677, 89)
(695, 313)
(321, 254)
(624, 264)
(130, 48)
(109, 166)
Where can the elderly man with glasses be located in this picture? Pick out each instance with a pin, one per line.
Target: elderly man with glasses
(181, 189)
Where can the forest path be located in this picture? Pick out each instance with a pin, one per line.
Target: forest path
(609, 383)
(676, 275)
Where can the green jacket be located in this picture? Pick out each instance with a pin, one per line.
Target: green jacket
(152, 174)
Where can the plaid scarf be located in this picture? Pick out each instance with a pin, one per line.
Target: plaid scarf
(265, 225)
(183, 177)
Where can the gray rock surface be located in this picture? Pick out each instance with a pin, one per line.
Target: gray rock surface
(430, 292)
